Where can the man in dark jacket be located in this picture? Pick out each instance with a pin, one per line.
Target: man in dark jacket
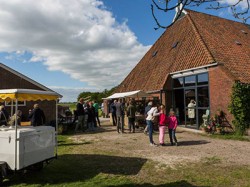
(120, 115)
(113, 112)
(131, 110)
(80, 115)
(37, 116)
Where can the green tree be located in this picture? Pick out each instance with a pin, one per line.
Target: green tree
(96, 96)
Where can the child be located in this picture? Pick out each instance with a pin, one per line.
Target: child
(162, 125)
(172, 127)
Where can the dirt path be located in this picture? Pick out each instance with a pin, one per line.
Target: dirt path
(193, 147)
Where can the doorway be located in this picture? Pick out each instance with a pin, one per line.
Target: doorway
(190, 107)
(191, 99)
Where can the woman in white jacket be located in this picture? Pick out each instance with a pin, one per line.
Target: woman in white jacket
(191, 111)
(152, 113)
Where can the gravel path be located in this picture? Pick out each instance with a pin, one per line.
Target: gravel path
(192, 147)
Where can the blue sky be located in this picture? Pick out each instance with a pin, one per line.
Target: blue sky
(79, 45)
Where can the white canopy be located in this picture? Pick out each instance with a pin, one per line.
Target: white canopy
(137, 93)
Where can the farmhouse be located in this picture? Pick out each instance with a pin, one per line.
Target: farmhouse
(11, 79)
(198, 58)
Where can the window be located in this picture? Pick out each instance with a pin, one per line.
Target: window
(190, 81)
(155, 98)
(20, 103)
(202, 79)
(203, 97)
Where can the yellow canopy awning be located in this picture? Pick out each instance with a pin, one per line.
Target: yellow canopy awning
(27, 95)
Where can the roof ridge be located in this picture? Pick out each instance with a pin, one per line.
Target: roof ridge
(203, 44)
(216, 16)
(25, 77)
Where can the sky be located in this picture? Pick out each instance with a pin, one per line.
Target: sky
(80, 45)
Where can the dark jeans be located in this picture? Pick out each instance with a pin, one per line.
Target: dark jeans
(114, 119)
(97, 118)
(172, 136)
(120, 123)
(131, 123)
(150, 130)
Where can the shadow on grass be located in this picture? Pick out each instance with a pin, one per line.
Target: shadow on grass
(73, 168)
(181, 183)
(73, 144)
(65, 143)
(96, 131)
(188, 143)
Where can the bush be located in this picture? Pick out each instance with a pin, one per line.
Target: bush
(240, 107)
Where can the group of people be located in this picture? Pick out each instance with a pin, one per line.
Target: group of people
(87, 115)
(118, 112)
(154, 115)
(36, 116)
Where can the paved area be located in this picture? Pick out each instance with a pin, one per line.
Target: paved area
(193, 147)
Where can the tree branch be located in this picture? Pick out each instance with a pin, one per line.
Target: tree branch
(237, 12)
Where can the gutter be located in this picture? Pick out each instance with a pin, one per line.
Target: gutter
(196, 68)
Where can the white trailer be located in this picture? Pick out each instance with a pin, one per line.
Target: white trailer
(25, 146)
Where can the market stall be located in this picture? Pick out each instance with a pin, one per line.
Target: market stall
(132, 94)
(24, 146)
(137, 96)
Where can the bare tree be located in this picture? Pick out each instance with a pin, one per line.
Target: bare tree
(240, 9)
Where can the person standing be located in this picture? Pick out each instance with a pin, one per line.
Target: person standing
(96, 106)
(172, 127)
(147, 108)
(120, 116)
(131, 110)
(80, 115)
(4, 116)
(91, 116)
(16, 118)
(86, 114)
(191, 111)
(113, 112)
(37, 116)
(163, 119)
(151, 114)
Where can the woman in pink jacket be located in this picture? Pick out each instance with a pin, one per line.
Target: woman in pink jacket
(172, 127)
(163, 119)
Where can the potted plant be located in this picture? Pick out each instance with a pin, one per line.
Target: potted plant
(218, 128)
(204, 128)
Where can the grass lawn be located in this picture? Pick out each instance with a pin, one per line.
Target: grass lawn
(100, 166)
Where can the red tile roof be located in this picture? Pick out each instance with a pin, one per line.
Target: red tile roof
(195, 40)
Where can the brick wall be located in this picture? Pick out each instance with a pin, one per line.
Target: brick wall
(220, 90)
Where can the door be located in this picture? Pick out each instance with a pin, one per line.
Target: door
(190, 107)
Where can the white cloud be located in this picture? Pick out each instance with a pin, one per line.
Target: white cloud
(242, 4)
(78, 37)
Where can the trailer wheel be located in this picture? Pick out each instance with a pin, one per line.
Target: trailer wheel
(1, 175)
(3, 171)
